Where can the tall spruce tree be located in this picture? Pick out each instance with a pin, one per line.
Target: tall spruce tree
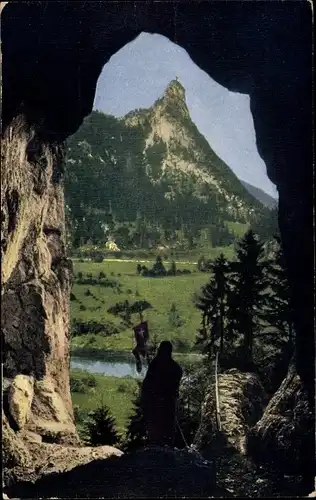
(279, 311)
(212, 302)
(247, 295)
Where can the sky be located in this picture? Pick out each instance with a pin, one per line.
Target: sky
(139, 73)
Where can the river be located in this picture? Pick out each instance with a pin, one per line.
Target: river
(122, 368)
(118, 365)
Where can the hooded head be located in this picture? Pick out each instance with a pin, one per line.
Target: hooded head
(165, 349)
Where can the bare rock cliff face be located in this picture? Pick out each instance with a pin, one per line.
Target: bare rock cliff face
(36, 276)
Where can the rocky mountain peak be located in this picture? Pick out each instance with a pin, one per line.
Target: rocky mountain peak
(173, 102)
(175, 91)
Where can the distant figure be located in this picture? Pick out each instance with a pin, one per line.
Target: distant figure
(159, 396)
(141, 349)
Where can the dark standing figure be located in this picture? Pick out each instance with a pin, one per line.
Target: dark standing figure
(159, 396)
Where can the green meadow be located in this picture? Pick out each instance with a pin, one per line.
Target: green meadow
(90, 303)
(161, 293)
(117, 394)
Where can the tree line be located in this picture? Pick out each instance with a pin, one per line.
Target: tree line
(245, 299)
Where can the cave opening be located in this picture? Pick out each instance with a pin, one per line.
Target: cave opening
(135, 80)
(261, 49)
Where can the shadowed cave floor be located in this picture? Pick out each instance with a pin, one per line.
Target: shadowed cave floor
(153, 473)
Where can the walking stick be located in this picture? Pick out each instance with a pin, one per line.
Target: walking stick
(218, 416)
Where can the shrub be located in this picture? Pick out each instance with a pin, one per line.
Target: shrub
(144, 271)
(99, 257)
(107, 283)
(121, 388)
(101, 428)
(82, 381)
(80, 275)
(82, 328)
(102, 275)
(79, 414)
(88, 293)
(82, 308)
(77, 385)
(90, 380)
(73, 298)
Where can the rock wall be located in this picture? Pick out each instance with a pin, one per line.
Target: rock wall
(284, 435)
(36, 278)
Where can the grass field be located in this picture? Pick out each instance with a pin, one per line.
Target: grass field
(160, 292)
(117, 393)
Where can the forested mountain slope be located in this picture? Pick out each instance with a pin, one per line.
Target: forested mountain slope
(153, 173)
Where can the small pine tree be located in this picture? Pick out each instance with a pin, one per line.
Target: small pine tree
(174, 316)
(138, 269)
(158, 268)
(173, 268)
(100, 427)
(136, 435)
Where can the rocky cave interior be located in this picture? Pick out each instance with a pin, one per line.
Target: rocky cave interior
(52, 55)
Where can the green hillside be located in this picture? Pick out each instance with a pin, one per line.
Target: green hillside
(151, 179)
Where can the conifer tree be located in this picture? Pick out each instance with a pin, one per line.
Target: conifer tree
(279, 311)
(158, 268)
(247, 295)
(100, 427)
(136, 436)
(174, 317)
(212, 304)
